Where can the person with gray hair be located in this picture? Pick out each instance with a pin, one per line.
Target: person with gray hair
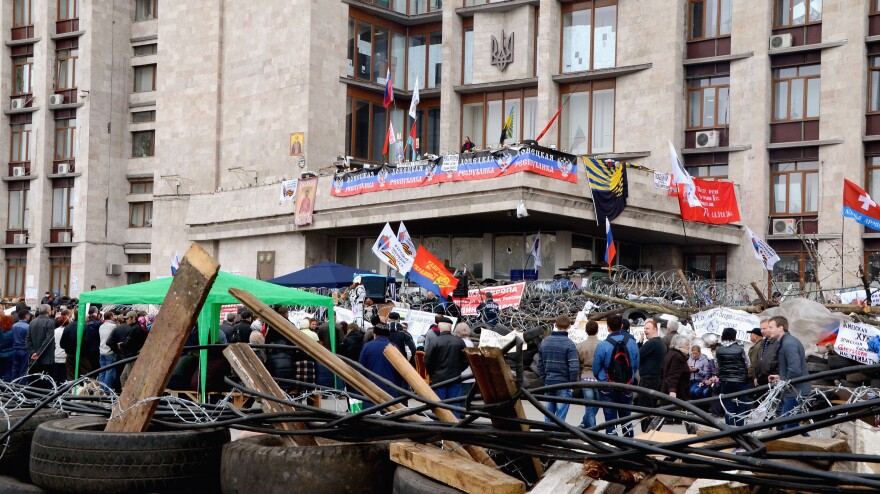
(463, 331)
(40, 344)
(676, 373)
(445, 360)
(671, 331)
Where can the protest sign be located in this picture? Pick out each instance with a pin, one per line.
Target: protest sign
(715, 320)
(227, 309)
(505, 296)
(852, 342)
(418, 321)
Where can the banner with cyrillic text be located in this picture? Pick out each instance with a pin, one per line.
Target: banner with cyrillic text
(506, 296)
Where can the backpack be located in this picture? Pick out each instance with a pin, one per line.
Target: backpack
(620, 370)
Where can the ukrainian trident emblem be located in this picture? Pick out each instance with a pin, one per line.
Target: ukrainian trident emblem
(502, 53)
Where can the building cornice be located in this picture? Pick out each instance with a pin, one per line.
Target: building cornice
(720, 58)
(804, 144)
(590, 75)
(505, 6)
(496, 86)
(72, 34)
(20, 42)
(403, 19)
(727, 149)
(810, 47)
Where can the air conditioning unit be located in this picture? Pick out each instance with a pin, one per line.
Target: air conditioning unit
(114, 269)
(18, 171)
(56, 99)
(65, 237)
(16, 104)
(65, 168)
(780, 41)
(19, 238)
(784, 226)
(707, 139)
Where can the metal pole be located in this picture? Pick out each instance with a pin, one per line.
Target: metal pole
(842, 228)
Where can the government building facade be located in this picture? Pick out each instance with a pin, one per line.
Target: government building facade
(136, 127)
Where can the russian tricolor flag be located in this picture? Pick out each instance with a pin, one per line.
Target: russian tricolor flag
(610, 250)
(175, 264)
(389, 90)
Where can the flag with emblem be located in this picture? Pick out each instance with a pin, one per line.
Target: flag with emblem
(609, 188)
(507, 128)
(763, 252)
(858, 205)
(390, 251)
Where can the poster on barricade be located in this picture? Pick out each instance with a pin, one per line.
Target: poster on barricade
(715, 320)
(506, 296)
(418, 321)
(852, 342)
(493, 339)
(343, 315)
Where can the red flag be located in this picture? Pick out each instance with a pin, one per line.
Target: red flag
(550, 123)
(429, 273)
(413, 135)
(388, 97)
(389, 138)
(718, 199)
(858, 205)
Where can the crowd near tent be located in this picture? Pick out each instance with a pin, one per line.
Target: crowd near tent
(153, 292)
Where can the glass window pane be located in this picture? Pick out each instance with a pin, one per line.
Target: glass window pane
(143, 78)
(380, 60)
(779, 188)
(380, 132)
(433, 135)
(795, 193)
(468, 251)
(603, 121)
(15, 209)
(815, 10)
(573, 124)
(509, 255)
(576, 41)
(605, 37)
(874, 181)
(347, 251)
(697, 19)
(468, 55)
(367, 260)
(797, 100)
(874, 101)
(493, 122)
(780, 106)
(782, 12)
(472, 123)
(724, 26)
(709, 107)
(809, 70)
(351, 43)
(811, 193)
(399, 6)
(711, 18)
(398, 60)
(415, 62)
(813, 96)
(364, 50)
(723, 105)
(798, 11)
(361, 129)
(514, 106)
(435, 53)
(694, 100)
(530, 118)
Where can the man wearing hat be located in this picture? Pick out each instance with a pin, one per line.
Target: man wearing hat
(400, 337)
(757, 340)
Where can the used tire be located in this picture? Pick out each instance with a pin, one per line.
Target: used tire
(267, 462)
(12, 485)
(75, 455)
(16, 458)
(815, 367)
(837, 362)
(857, 378)
(408, 481)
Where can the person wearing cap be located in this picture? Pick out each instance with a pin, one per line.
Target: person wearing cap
(358, 296)
(757, 340)
(488, 310)
(400, 337)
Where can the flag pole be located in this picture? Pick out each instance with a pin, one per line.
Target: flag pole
(842, 244)
(589, 186)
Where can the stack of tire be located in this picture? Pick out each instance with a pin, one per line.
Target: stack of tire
(15, 453)
(852, 379)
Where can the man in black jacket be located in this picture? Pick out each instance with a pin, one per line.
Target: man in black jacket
(241, 332)
(651, 355)
(768, 360)
(445, 360)
(401, 337)
(40, 344)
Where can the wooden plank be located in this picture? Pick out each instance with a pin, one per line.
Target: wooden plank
(254, 375)
(421, 388)
(450, 469)
(796, 443)
(493, 376)
(563, 477)
(160, 354)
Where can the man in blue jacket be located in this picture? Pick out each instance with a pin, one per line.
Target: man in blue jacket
(604, 364)
(373, 358)
(558, 364)
(792, 364)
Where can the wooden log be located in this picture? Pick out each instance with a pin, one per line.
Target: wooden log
(764, 301)
(650, 307)
(455, 471)
(795, 443)
(493, 376)
(687, 285)
(254, 375)
(421, 388)
(160, 353)
(563, 477)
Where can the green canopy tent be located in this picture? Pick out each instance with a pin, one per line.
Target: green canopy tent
(153, 292)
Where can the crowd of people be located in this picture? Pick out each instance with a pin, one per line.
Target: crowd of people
(671, 365)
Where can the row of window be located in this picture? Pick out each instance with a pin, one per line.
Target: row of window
(22, 11)
(16, 267)
(410, 55)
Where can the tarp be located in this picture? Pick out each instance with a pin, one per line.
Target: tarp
(324, 275)
(154, 292)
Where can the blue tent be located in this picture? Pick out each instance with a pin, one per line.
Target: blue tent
(324, 275)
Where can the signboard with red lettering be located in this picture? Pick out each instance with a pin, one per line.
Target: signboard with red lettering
(852, 342)
(227, 309)
(505, 296)
(719, 203)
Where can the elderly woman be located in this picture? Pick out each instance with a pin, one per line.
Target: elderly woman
(733, 369)
(702, 374)
(676, 373)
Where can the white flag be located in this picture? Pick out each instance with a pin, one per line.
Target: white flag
(390, 251)
(406, 240)
(536, 251)
(681, 177)
(415, 100)
(288, 190)
(763, 252)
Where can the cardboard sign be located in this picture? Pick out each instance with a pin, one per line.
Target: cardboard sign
(418, 321)
(715, 320)
(505, 296)
(852, 342)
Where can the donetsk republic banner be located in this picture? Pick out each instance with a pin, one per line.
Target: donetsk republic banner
(458, 168)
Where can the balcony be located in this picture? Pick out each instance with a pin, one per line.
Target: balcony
(22, 32)
(60, 237)
(17, 239)
(64, 168)
(19, 170)
(403, 12)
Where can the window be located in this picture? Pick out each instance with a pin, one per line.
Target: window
(65, 139)
(140, 214)
(65, 72)
(589, 36)
(60, 274)
(143, 116)
(796, 93)
(132, 278)
(67, 9)
(373, 50)
(21, 13)
(874, 84)
(138, 259)
(586, 124)
(707, 266)
(145, 78)
(143, 143)
(797, 12)
(424, 6)
(708, 171)
(709, 18)
(795, 270)
(145, 10)
(61, 206)
(483, 117)
(15, 270)
(141, 187)
(708, 102)
(467, 75)
(19, 210)
(146, 50)
(20, 150)
(22, 75)
(795, 188)
(427, 128)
